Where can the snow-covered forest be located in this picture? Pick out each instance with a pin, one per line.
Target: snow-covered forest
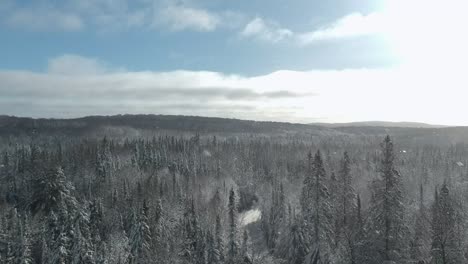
(263, 193)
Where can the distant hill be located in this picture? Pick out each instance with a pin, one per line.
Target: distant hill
(380, 124)
(149, 125)
(198, 124)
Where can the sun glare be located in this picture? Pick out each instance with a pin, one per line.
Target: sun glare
(427, 33)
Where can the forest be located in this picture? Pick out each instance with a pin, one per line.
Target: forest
(188, 190)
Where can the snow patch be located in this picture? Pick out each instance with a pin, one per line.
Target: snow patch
(250, 216)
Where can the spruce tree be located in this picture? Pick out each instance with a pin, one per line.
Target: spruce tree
(244, 251)
(445, 246)
(24, 243)
(386, 225)
(317, 209)
(219, 241)
(420, 245)
(233, 246)
(348, 195)
(294, 245)
(140, 237)
(190, 243)
(212, 254)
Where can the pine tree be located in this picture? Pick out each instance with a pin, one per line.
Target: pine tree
(159, 231)
(82, 244)
(212, 254)
(244, 252)
(294, 246)
(386, 220)
(140, 237)
(316, 207)
(53, 197)
(190, 233)
(96, 225)
(219, 241)
(201, 248)
(45, 251)
(420, 245)
(233, 246)
(276, 216)
(348, 195)
(345, 216)
(336, 208)
(12, 235)
(305, 198)
(445, 249)
(52, 190)
(60, 253)
(24, 243)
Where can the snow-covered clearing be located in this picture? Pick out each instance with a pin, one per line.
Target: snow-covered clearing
(250, 216)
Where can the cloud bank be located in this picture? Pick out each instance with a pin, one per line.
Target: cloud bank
(66, 90)
(265, 30)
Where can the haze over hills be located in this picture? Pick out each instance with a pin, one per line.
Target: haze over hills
(381, 124)
(148, 125)
(5, 119)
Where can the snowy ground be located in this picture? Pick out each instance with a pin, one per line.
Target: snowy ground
(250, 216)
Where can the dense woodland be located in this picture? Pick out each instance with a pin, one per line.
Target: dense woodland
(78, 192)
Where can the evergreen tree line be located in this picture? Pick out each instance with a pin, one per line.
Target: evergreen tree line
(186, 200)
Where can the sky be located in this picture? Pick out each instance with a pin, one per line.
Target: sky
(297, 61)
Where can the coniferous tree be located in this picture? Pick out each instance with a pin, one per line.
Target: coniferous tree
(191, 231)
(317, 209)
(294, 246)
(335, 203)
(445, 246)
(386, 225)
(24, 243)
(420, 245)
(348, 195)
(219, 241)
(233, 246)
(244, 252)
(276, 216)
(212, 254)
(140, 238)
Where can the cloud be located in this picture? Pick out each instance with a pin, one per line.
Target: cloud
(75, 85)
(265, 30)
(352, 25)
(349, 26)
(179, 18)
(111, 16)
(70, 64)
(45, 19)
(296, 96)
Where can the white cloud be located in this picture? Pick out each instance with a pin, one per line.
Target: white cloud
(180, 18)
(45, 19)
(352, 25)
(70, 64)
(111, 16)
(298, 96)
(115, 15)
(265, 30)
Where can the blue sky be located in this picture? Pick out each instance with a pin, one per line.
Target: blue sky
(137, 36)
(246, 59)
